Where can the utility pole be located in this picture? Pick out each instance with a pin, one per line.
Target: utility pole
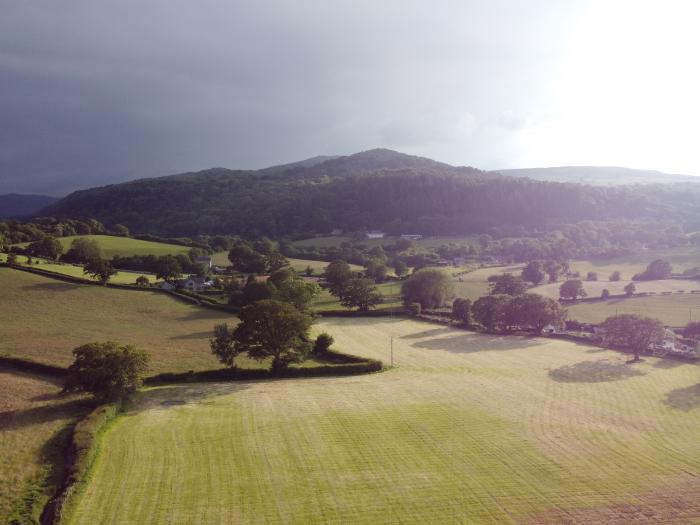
(392, 351)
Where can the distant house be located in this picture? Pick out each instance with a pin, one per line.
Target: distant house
(336, 231)
(192, 283)
(374, 234)
(205, 261)
(411, 236)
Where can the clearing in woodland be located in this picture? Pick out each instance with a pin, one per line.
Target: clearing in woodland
(468, 428)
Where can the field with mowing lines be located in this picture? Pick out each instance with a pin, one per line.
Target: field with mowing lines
(124, 246)
(44, 319)
(468, 428)
(681, 258)
(32, 417)
(673, 310)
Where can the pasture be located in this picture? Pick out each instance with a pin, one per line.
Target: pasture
(426, 242)
(299, 265)
(468, 428)
(33, 415)
(673, 310)
(74, 270)
(595, 288)
(44, 319)
(123, 246)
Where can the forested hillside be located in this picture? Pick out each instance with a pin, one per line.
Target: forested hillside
(379, 189)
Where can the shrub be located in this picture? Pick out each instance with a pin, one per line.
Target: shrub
(605, 294)
(323, 343)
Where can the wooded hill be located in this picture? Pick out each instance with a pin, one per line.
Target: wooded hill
(377, 189)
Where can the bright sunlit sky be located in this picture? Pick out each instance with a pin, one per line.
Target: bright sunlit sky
(93, 93)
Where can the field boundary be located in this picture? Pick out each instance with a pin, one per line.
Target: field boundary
(80, 457)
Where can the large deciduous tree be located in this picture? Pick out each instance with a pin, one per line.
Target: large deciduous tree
(462, 311)
(337, 275)
(82, 250)
(108, 371)
(99, 269)
(534, 311)
(273, 329)
(361, 294)
(223, 345)
(47, 247)
(533, 272)
(430, 287)
(489, 311)
(168, 268)
(634, 332)
(507, 283)
(572, 289)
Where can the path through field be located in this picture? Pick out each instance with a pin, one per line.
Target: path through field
(467, 429)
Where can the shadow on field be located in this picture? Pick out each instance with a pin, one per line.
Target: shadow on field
(593, 372)
(428, 333)
(50, 287)
(670, 363)
(684, 398)
(471, 342)
(165, 397)
(17, 419)
(195, 335)
(198, 313)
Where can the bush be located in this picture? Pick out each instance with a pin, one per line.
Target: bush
(323, 344)
(605, 294)
(413, 309)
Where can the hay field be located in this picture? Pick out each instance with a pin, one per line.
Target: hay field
(44, 319)
(33, 416)
(467, 429)
(124, 246)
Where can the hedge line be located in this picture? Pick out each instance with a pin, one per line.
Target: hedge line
(355, 313)
(362, 366)
(81, 455)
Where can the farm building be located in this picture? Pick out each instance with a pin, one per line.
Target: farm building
(374, 234)
(195, 284)
(411, 236)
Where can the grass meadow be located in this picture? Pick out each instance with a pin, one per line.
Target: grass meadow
(427, 242)
(33, 419)
(124, 246)
(673, 310)
(466, 429)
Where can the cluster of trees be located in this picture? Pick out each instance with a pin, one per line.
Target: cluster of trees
(429, 287)
(167, 266)
(13, 232)
(503, 312)
(658, 269)
(283, 285)
(353, 290)
(109, 371)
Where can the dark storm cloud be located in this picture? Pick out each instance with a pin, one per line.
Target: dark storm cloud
(98, 92)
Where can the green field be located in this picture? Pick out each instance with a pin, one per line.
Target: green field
(468, 428)
(390, 291)
(32, 417)
(73, 270)
(300, 265)
(124, 246)
(681, 258)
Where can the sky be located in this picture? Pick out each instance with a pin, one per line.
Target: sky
(99, 92)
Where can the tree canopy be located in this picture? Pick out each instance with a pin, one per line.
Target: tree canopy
(429, 287)
(106, 370)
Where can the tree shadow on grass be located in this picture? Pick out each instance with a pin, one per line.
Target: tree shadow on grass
(195, 335)
(593, 372)
(21, 418)
(472, 342)
(684, 398)
(427, 333)
(202, 313)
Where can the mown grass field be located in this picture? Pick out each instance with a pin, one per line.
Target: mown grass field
(595, 288)
(33, 416)
(390, 291)
(467, 429)
(44, 319)
(124, 246)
